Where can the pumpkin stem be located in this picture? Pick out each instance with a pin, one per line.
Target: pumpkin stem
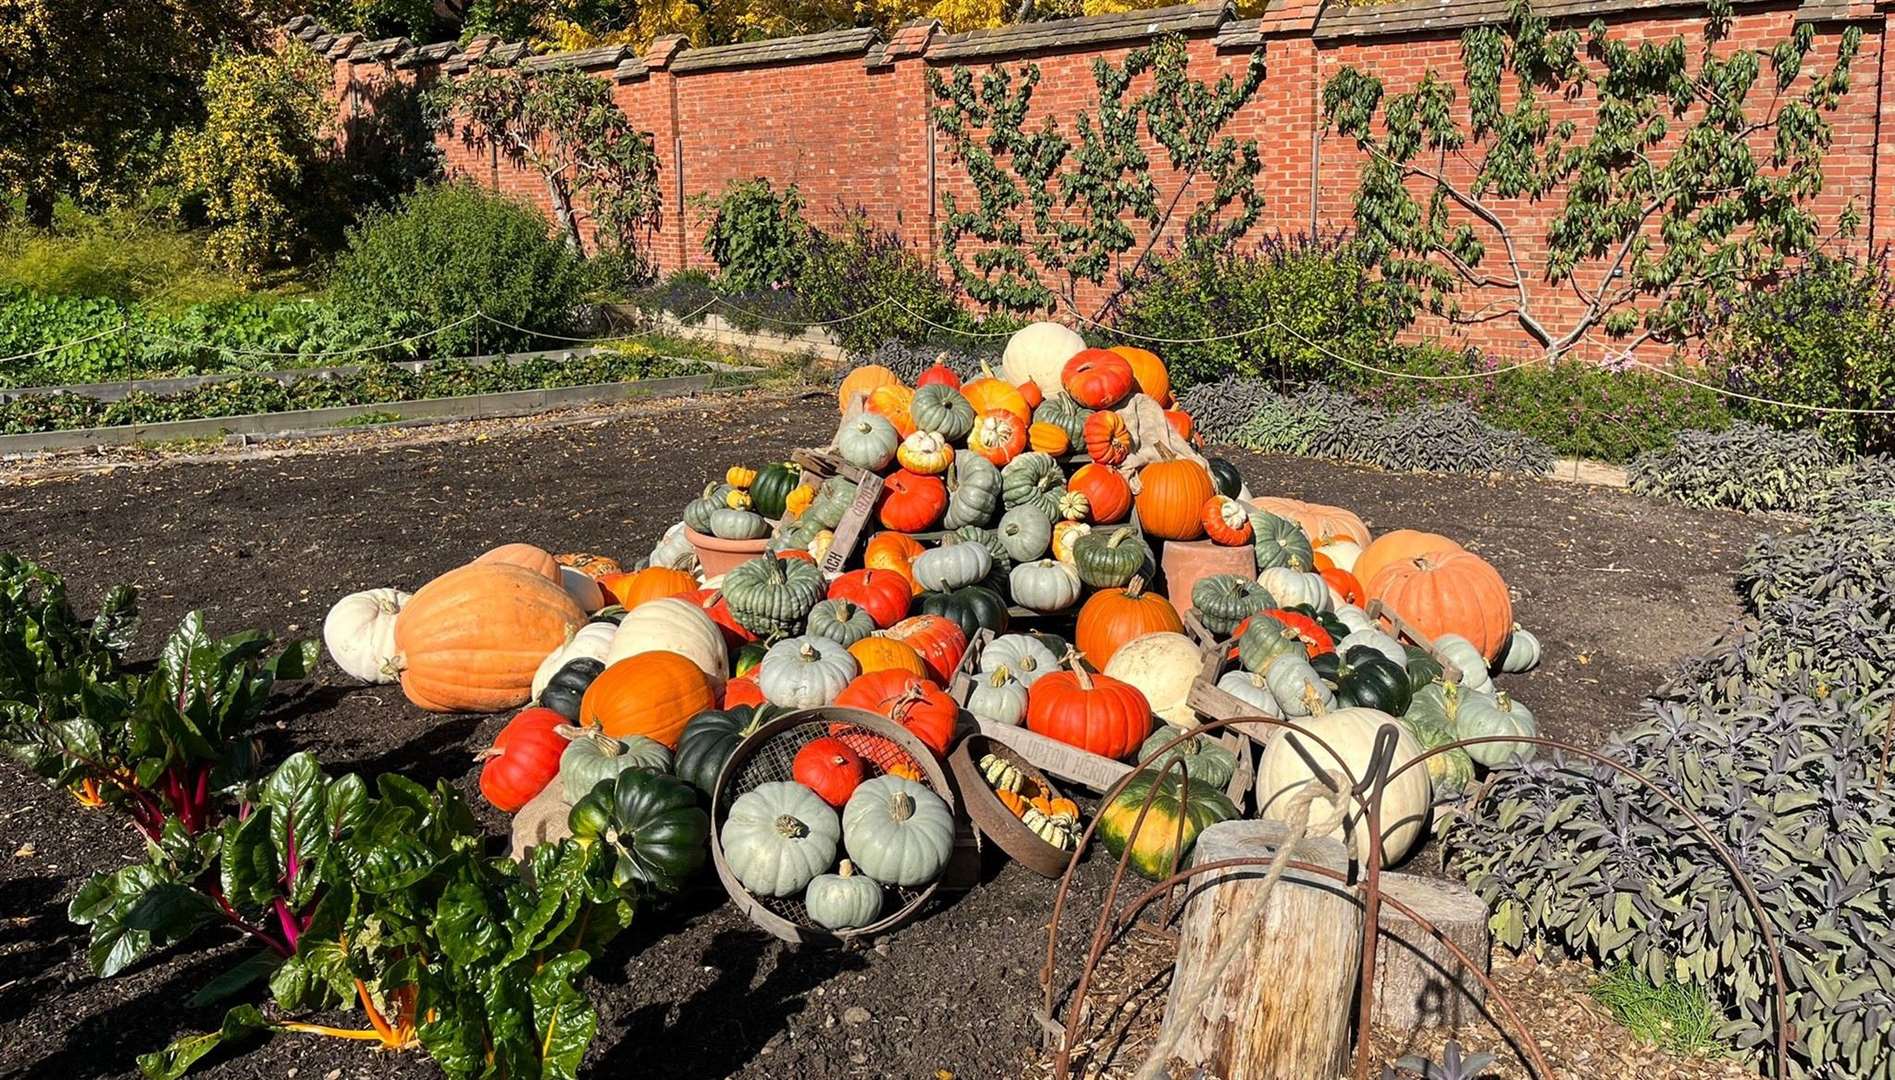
(1000, 677)
(847, 869)
(1080, 675)
(1135, 587)
(595, 733)
(791, 829)
(1313, 701)
(488, 754)
(901, 806)
(810, 653)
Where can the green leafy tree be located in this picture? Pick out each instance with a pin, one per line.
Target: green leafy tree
(254, 163)
(564, 125)
(1052, 216)
(1691, 176)
(92, 86)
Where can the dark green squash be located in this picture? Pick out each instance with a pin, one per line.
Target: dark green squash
(974, 608)
(1107, 558)
(568, 685)
(654, 824)
(1061, 409)
(1367, 679)
(711, 737)
(1225, 475)
(1423, 668)
(772, 486)
(1334, 627)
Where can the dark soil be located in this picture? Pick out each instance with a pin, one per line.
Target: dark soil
(1619, 588)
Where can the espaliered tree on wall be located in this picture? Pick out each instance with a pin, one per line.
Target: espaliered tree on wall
(1692, 174)
(1052, 216)
(564, 125)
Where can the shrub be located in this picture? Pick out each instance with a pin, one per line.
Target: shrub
(1745, 467)
(846, 271)
(449, 252)
(1318, 288)
(117, 255)
(250, 165)
(1823, 336)
(755, 234)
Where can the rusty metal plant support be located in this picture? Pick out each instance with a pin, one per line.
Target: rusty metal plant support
(1367, 792)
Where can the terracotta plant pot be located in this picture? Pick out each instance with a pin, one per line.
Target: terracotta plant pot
(1185, 562)
(719, 557)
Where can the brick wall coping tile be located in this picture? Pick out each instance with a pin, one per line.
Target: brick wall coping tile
(1417, 16)
(593, 59)
(854, 42)
(1091, 30)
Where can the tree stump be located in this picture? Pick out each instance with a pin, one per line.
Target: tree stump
(1282, 1009)
(541, 820)
(1418, 982)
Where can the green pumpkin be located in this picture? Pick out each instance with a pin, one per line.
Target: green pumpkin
(1034, 479)
(831, 502)
(1179, 812)
(1224, 475)
(1061, 409)
(778, 836)
(773, 485)
(1044, 585)
(727, 524)
(1461, 652)
(989, 539)
(898, 831)
(1280, 542)
(1367, 679)
(568, 685)
(651, 821)
(592, 756)
(1334, 627)
(1486, 715)
(973, 608)
(1224, 600)
(1267, 638)
(1450, 771)
(711, 737)
(1423, 669)
(1025, 533)
(868, 442)
(1209, 760)
(845, 900)
(973, 485)
(940, 408)
(770, 596)
(840, 621)
(1521, 653)
(1109, 558)
(795, 535)
(1298, 690)
(697, 513)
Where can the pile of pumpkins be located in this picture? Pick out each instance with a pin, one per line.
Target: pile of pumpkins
(1049, 488)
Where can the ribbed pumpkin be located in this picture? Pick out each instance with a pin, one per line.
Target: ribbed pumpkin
(1153, 380)
(998, 435)
(1449, 592)
(1181, 809)
(1320, 523)
(472, 638)
(526, 556)
(891, 403)
(1393, 547)
(940, 641)
(884, 594)
(915, 703)
(1098, 378)
(523, 759)
(880, 653)
(893, 552)
(1096, 713)
(1108, 440)
(989, 394)
(651, 583)
(1112, 617)
(1171, 498)
(863, 380)
(1108, 494)
(652, 694)
(1048, 438)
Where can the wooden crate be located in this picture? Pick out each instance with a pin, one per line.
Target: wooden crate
(1055, 758)
(822, 465)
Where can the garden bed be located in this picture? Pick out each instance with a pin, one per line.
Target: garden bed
(1619, 587)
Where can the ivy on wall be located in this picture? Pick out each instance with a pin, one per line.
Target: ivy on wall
(1692, 174)
(1054, 213)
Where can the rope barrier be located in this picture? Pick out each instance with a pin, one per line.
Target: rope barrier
(424, 335)
(120, 328)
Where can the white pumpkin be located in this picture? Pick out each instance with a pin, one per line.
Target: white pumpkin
(1249, 688)
(1293, 587)
(1039, 351)
(1353, 617)
(674, 550)
(673, 625)
(1342, 552)
(360, 634)
(593, 641)
(1350, 733)
(1162, 666)
(583, 589)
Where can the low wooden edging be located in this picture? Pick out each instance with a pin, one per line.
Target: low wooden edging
(469, 407)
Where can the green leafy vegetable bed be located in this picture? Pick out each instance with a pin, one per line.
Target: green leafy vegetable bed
(373, 384)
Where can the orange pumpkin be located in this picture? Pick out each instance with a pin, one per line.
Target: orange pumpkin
(743, 691)
(472, 638)
(1394, 547)
(1112, 617)
(878, 653)
(1098, 378)
(1226, 521)
(592, 566)
(1108, 440)
(1181, 423)
(653, 694)
(1448, 592)
(1031, 394)
(998, 435)
(938, 640)
(893, 551)
(1154, 381)
(1107, 492)
(891, 403)
(1344, 583)
(864, 380)
(912, 502)
(1171, 497)
(989, 393)
(538, 560)
(1048, 439)
(651, 583)
(1319, 522)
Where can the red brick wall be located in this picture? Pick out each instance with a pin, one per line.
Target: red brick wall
(851, 134)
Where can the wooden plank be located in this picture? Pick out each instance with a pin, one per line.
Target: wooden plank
(1057, 759)
(1379, 610)
(849, 532)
